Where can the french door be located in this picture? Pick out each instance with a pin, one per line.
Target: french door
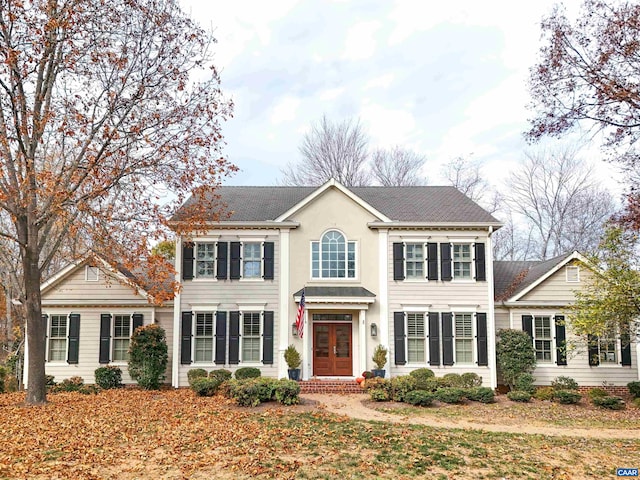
(332, 354)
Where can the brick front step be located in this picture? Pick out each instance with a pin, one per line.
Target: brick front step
(330, 386)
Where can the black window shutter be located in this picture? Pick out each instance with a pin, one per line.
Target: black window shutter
(432, 261)
(45, 319)
(267, 339)
(105, 338)
(447, 338)
(185, 339)
(221, 261)
(561, 340)
(268, 261)
(434, 338)
(481, 330)
(187, 261)
(592, 343)
(445, 261)
(221, 338)
(527, 324)
(481, 273)
(400, 355)
(138, 321)
(234, 338)
(625, 344)
(74, 338)
(234, 274)
(398, 261)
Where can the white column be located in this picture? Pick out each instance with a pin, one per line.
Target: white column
(306, 355)
(175, 357)
(362, 340)
(383, 293)
(491, 323)
(284, 319)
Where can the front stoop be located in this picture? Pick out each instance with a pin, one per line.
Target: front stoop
(330, 386)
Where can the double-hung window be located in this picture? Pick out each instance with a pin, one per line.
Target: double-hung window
(251, 260)
(333, 257)
(462, 261)
(607, 348)
(205, 260)
(464, 337)
(416, 337)
(58, 338)
(251, 337)
(121, 337)
(203, 338)
(414, 260)
(542, 338)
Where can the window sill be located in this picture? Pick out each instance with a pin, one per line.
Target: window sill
(204, 279)
(58, 363)
(252, 280)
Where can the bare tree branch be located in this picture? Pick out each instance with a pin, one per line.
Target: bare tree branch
(397, 167)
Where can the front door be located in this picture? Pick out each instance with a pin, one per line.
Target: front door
(332, 349)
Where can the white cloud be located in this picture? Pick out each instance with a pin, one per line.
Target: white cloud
(330, 94)
(387, 126)
(360, 42)
(382, 81)
(285, 110)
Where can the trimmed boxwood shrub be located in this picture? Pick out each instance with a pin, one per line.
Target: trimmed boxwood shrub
(420, 398)
(148, 356)
(450, 395)
(481, 394)
(196, 373)
(247, 372)
(634, 389)
(567, 397)
(108, 377)
(402, 385)
(470, 380)
(287, 392)
(564, 383)
(610, 402)
(597, 393)
(452, 380)
(246, 392)
(206, 387)
(519, 396)
(379, 395)
(220, 373)
(544, 393)
(266, 388)
(422, 377)
(378, 383)
(515, 355)
(72, 384)
(524, 383)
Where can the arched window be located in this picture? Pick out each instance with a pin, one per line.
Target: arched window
(333, 257)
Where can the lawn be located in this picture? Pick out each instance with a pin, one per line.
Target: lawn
(173, 434)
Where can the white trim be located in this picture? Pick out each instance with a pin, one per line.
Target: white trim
(492, 362)
(574, 256)
(176, 353)
(416, 308)
(86, 273)
(425, 340)
(260, 336)
(473, 338)
(320, 190)
(362, 343)
(205, 241)
(252, 307)
(283, 320)
(383, 297)
(346, 278)
(210, 307)
(260, 277)
(575, 268)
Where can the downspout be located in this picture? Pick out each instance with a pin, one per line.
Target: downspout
(175, 354)
(491, 325)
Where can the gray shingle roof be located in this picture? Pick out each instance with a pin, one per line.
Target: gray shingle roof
(404, 204)
(335, 292)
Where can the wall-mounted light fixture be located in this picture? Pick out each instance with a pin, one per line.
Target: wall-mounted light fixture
(374, 330)
(294, 329)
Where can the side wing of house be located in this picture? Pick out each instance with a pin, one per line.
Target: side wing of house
(540, 310)
(91, 313)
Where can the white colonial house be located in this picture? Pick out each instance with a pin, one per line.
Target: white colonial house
(409, 268)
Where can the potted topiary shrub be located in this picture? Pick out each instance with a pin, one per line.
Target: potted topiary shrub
(292, 357)
(380, 360)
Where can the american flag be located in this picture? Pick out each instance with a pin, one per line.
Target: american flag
(300, 316)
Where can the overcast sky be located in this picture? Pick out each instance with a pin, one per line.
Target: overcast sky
(442, 78)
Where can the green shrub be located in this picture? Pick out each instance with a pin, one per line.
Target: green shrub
(597, 393)
(221, 373)
(266, 388)
(515, 355)
(480, 394)
(247, 372)
(567, 397)
(196, 373)
(524, 383)
(292, 357)
(246, 392)
(609, 402)
(564, 383)
(49, 380)
(442, 382)
(380, 395)
(72, 384)
(470, 380)
(148, 356)
(636, 402)
(380, 357)
(287, 392)
(227, 388)
(634, 389)
(400, 386)
(452, 380)
(205, 387)
(378, 383)
(89, 389)
(108, 377)
(430, 384)
(450, 395)
(3, 374)
(519, 396)
(420, 398)
(422, 376)
(544, 393)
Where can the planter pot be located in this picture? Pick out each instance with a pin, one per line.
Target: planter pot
(378, 373)
(294, 374)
